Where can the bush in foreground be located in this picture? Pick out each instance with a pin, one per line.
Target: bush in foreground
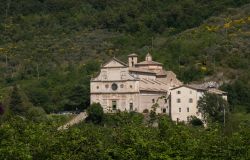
(95, 113)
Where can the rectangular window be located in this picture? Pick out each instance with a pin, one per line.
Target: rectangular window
(178, 92)
(114, 105)
(131, 106)
(104, 75)
(187, 109)
(165, 100)
(123, 75)
(179, 109)
(190, 100)
(164, 110)
(153, 100)
(178, 100)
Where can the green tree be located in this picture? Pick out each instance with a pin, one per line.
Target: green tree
(95, 113)
(213, 107)
(36, 114)
(78, 98)
(16, 103)
(152, 114)
(194, 121)
(1, 109)
(238, 95)
(38, 96)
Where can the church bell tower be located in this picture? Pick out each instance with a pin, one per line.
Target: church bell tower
(132, 59)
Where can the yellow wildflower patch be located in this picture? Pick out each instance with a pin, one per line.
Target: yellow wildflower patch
(227, 25)
(203, 68)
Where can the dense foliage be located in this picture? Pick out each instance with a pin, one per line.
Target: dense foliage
(195, 121)
(95, 113)
(16, 104)
(213, 108)
(128, 139)
(1, 109)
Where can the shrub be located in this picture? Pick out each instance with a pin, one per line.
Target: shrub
(95, 113)
(145, 111)
(36, 114)
(195, 121)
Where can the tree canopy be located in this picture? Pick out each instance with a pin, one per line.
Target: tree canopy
(213, 107)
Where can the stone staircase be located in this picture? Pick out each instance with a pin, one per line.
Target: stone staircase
(77, 119)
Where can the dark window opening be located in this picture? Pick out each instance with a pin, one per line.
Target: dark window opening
(131, 106)
(178, 100)
(190, 100)
(114, 105)
(164, 110)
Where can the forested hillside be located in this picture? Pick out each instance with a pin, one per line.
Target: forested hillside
(51, 48)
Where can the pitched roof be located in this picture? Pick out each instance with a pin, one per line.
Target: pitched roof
(161, 73)
(197, 86)
(148, 63)
(202, 88)
(194, 87)
(216, 91)
(133, 55)
(133, 69)
(150, 85)
(117, 60)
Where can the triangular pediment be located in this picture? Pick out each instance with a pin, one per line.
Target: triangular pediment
(114, 63)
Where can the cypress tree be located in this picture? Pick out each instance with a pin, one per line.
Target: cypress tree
(16, 105)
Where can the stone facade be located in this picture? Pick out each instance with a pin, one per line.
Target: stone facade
(133, 87)
(137, 86)
(184, 101)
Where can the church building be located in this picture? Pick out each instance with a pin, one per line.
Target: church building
(135, 86)
(140, 86)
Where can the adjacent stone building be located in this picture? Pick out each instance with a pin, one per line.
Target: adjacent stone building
(184, 100)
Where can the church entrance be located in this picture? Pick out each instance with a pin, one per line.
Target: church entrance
(114, 105)
(131, 107)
